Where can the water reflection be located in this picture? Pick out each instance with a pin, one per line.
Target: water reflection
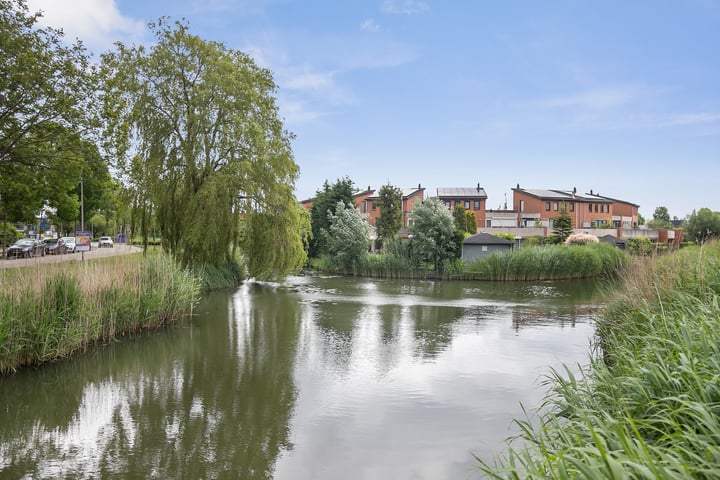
(317, 378)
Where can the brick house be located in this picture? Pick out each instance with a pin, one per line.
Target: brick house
(410, 196)
(540, 207)
(625, 214)
(473, 199)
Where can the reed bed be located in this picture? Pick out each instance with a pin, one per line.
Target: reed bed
(51, 311)
(648, 405)
(548, 262)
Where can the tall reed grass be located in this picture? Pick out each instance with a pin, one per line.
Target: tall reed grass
(648, 406)
(546, 262)
(51, 311)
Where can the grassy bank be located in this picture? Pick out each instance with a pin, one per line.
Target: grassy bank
(547, 262)
(51, 311)
(649, 405)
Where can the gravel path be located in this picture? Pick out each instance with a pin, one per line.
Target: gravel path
(96, 252)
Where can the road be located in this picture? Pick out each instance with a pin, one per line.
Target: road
(118, 249)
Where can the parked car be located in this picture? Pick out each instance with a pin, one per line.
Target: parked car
(25, 248)
(69, 243)
(54, 246)
(105, 242)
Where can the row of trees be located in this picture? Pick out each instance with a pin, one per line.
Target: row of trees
(341, 231)
(189, 128)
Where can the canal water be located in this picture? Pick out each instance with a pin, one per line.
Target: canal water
(314, 378)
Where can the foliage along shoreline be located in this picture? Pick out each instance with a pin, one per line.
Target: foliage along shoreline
(53, 311)
(538, 263)
(647, 405)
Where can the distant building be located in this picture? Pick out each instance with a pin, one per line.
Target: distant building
(409, 198)
(472, 198)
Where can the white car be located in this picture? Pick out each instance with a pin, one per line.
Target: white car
(105, 242)
(69, 243)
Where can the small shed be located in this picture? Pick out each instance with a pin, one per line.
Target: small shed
(613, 240)
(483, 245)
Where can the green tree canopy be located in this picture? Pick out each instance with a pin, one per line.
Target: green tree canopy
(471, 225)
(45, 89)
(562, 225)
(458, 213)
(661, 218)
(325, 201)
(702, 225)
(195, 128)
(434, 233)
(390, 220)
(348, 235)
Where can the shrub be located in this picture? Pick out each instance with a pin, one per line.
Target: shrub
(581, 239)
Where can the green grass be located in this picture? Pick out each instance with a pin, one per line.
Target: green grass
(51, 311)
(648, 406)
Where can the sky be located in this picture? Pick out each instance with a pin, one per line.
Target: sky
(618, 97)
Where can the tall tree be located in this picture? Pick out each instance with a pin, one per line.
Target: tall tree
(434, 234)
(195, 128)
(661, 213)
(661, 218)
(46, 89)
(390, 220)
(471, 225)
(348, 235)
(562, 225)
(326, 201)
(458, 213)
(703, 225)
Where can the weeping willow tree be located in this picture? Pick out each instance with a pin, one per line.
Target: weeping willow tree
(195, 130)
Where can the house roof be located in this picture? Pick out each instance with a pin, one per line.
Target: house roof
(486, 239)
(461, 192)
(406, 192)
(611, 239)
(565, 195)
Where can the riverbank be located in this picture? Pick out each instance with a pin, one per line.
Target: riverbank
(51, 311)
(647, 407)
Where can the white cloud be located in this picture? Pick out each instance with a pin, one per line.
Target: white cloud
(598, 99)
(370, 25)
(404, 7)
(98, 23)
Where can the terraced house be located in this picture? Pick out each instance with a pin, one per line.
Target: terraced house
(472, 198)
(587, 210)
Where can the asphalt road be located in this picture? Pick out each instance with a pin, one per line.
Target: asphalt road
(118, 249)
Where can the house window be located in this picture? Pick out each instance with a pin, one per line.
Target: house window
(547, 206)
(374, 205)
(467, 204)
(596, 209)
(484, 248)
(590, 207)
(363, 207)
(572, 207)
(555, 206)
(447, 204)
(522, 205)
(476, 205)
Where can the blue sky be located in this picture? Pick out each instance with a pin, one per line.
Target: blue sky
(619, 97)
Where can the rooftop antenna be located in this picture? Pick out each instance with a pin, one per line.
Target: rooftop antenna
(505, 205)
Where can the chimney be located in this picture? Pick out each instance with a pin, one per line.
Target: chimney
(368, 188)
(591, 191)
(574, 190)
(518, 187)
(419, 186)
